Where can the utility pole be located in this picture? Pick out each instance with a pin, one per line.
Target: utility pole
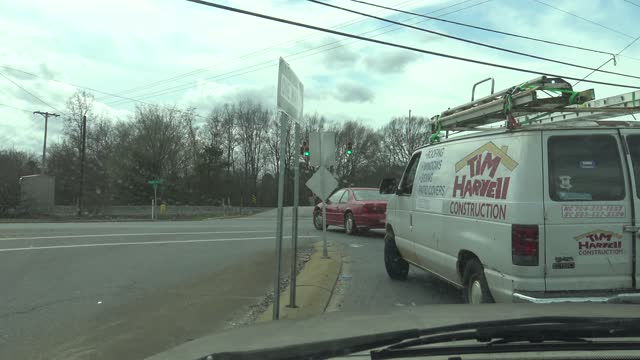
(409, 114)
(44, 146)
(82, 152)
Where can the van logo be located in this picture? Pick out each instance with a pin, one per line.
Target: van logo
(483, 165)
(599, 242)
(599, 235)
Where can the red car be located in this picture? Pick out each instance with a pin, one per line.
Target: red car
(354, 209)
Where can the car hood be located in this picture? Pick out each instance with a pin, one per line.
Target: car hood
(338, 325)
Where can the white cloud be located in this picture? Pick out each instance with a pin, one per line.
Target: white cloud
(134, 44)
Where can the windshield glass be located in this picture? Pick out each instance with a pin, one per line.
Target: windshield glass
(364, 195)
(171, 169)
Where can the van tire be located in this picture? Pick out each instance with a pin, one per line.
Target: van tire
(350, 224)
(397, 267)
(476, 290)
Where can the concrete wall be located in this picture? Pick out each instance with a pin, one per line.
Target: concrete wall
(37, 194)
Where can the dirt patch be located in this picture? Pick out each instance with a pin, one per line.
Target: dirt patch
(255, 310)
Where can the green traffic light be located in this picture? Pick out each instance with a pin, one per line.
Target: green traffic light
(349, 152)
(306, 153)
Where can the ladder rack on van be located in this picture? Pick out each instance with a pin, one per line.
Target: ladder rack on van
(526, 104)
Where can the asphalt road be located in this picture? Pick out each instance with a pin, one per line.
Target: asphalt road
(127, 290)
(365, 287)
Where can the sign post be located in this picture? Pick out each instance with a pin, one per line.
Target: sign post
(290, 102)
(323, 145)
(154, 203)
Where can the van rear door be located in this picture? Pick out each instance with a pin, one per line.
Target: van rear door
(632, 139)
(587, 205)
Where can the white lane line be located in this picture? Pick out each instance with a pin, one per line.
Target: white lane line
(134, 234)
(142, 243)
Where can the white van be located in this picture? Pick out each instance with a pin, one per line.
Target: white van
(538, 214)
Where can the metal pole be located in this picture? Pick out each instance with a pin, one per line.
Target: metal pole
(84, 141)
(294, 226)
(155, 200)
(279, 220)
(153, 206)
(325, 252)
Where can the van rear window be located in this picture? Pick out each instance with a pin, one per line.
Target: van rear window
(634, 150)
(585, 168)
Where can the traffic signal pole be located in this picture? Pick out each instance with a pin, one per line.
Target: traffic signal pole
(294, 226)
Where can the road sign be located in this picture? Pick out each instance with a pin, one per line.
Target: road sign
(155, 182)
(290, 91)
(322, 145)
(322, 183)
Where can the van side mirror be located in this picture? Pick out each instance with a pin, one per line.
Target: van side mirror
(388, 186)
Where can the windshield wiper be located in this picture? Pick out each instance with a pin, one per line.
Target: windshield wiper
(545, 336)
(499, 331)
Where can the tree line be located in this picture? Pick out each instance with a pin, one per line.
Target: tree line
(229, 156)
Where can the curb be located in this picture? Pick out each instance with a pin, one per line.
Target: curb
(314, 286)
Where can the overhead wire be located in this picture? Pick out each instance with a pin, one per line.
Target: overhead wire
(486, 29)
(585, 19)
(632, 3)
(400, 46)
(78, 87)
(272, 63)
(15, 108)
(608, 61)
(29, 92)
(251, 54)
(472, 41)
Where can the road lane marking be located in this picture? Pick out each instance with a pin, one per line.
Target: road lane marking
(134, 234)
(143, 243)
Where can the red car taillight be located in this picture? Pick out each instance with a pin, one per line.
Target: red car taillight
(524, 245)
(373, 208)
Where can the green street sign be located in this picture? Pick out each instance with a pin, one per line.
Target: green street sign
(154, 182)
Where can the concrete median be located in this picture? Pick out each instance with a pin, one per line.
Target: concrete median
(315, 284)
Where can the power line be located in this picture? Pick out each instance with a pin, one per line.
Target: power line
(76, 86)
(632, 3)
(271, 63)
(585, 19)
(195, 84)
(251, 54)
(486, 29)
(69, 83)
(290, 22)
(28, 92)
(15, 108)
(606, 62)
(472, 41)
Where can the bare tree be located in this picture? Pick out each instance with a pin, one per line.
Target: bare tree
(402, 136)
(79, 105)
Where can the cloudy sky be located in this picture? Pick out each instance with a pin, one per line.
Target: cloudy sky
(179, 53)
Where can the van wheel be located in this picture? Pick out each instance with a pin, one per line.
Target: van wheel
(350, 224)
(397, 267)
(317, 219)
(476, 289)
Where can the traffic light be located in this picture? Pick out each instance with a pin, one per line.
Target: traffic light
(304, 149)
(349, 149)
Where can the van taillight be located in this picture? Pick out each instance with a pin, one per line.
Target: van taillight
(524, 245)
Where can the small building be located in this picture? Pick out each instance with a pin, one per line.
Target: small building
(37, 194)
